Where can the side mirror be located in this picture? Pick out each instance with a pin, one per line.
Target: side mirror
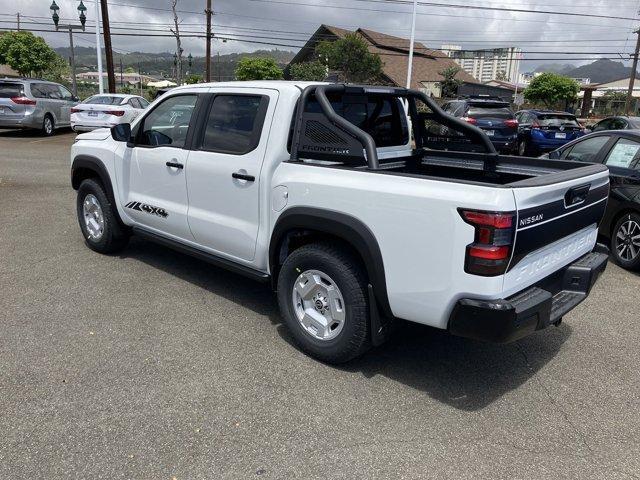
(554, 154)
(121, 132)
(74, 98)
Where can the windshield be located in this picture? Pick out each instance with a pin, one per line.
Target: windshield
(10, 90)
(488, 112)
(556, 120)
(103, 100)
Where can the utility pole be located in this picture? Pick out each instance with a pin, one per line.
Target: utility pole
(72, 62)
(121, 81)
(179, 50)
(207, 76)
(412, 41)
(111, 78)
(18, 15)
(632, 80)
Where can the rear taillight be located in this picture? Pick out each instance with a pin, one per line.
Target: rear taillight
(490, 251)
(117, 113)
(470, 120)
(23, 100)
(535, 125)
(76, 110)
(511, 123)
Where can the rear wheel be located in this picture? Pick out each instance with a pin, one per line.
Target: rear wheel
(98, 221)
(523, 148)
(322, 293)
(48, 125)
(625, 241)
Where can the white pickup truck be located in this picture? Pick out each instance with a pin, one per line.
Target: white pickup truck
(340, 197)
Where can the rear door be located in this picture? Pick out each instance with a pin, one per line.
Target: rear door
(557, 222)
(223, 177)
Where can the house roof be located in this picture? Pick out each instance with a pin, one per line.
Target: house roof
(394, 52)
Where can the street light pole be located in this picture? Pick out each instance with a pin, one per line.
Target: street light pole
(411, 42)
(99, 48)
(56, 20)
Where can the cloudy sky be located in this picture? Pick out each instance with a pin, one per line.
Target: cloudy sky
(286, 24)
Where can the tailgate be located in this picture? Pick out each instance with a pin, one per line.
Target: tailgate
(557, 222)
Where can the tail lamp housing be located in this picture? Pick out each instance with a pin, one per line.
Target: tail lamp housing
(490, 252)
(23, 100)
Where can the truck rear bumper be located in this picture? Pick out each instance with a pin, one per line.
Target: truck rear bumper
(535, 308)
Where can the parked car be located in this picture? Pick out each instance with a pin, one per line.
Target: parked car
(619, 150)
(540, 131)
(617, 123)
(106, 110)
(322, 190)
(491, 114)
(36, 104)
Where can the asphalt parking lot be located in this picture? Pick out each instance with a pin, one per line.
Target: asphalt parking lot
(152, 365)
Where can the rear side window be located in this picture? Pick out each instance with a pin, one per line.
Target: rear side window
(10, 90)
(381, 117)
(623, 154)
(235, 123)
(586, 150)
(490, 112)
(555, 120)
(168, 123)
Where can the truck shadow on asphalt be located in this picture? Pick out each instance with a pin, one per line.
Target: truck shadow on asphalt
(462, 373)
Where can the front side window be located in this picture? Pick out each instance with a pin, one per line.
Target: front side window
(623, 154)
(168, 123)
(234, 124)
(143, 102)
(64, 93)
(586, 150)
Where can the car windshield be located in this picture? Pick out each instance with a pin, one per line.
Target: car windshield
(103, 100)
(490, 112)
(10, 90)
(555, 120)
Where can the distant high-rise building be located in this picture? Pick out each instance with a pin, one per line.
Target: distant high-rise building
(487, 64)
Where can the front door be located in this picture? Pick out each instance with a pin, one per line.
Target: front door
(154, 173)
(223, 177)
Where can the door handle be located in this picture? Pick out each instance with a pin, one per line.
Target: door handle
(175, 165)
(243, 176)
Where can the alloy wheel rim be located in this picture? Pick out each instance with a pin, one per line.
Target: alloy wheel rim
(318, 305)
(47, 125)
(93, 217)
(628, 240)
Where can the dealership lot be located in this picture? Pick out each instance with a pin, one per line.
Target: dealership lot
(151, 364)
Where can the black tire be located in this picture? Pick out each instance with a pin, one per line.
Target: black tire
(115, 236)
(343, 268)
(48, 125)
(625, 252)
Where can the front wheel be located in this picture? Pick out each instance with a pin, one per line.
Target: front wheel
(625, 241)
(523, 148)
(98, 221)
(322, 293)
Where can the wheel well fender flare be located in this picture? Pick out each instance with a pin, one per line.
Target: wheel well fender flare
(346, 227)
(87, 163)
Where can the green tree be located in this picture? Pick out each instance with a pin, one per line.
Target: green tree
(193, 78)
(57, 71)
(309, 71)
(129, 70)
(551, 89)
(254, 68)
(502, 76)
(351, 58)
(26, 53)
(449, 85)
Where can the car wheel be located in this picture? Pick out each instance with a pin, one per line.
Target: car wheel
(322, 293)
(100, 226)
(48, 125)
(523, 148)
(625, 241)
